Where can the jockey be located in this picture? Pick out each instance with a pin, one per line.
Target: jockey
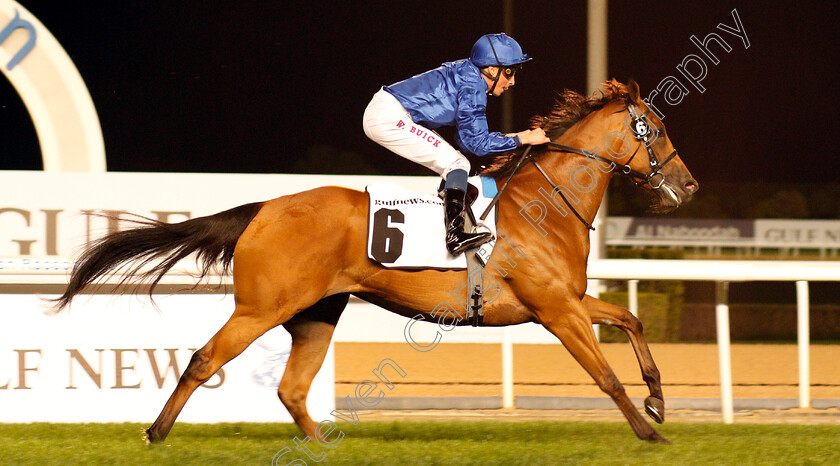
(402, 117)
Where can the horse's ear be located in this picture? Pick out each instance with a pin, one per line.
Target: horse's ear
(633, 90)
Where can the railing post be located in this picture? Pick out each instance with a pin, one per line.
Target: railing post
(633, 297)
(803, 341)
(507, 368)
(724, 354)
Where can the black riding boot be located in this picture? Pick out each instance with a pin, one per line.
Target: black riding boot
(457, 240)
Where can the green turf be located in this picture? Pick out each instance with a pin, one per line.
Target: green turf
(415, 443)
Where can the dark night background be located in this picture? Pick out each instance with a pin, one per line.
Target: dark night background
(280, 87)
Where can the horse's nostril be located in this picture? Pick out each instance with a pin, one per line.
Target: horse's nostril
(691, 187)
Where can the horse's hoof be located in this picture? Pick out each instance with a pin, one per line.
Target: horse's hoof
(656, 438)
(149, 438)
(655, 408)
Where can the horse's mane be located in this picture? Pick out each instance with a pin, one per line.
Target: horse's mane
(569, 108)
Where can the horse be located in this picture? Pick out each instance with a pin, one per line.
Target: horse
(295, 260)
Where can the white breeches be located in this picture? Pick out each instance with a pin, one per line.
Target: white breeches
(390, 125)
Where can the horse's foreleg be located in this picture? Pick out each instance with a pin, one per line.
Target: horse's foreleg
(574, 329)
(608, 314)
(239, 331)
(311, 332)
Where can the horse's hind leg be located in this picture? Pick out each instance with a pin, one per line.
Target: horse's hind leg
(311, 332)
(243, 327)
(573, 327)
(608, 314)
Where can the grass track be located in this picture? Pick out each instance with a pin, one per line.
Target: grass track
(421, 443)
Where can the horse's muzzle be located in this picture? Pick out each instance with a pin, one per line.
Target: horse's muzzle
(669, 196)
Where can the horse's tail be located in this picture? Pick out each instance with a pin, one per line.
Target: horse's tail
(160, 246)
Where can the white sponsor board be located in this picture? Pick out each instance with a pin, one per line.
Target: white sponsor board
(95, 363)
(820, 233)
(45, 214)
(117, 359)
(685, 229)
(787, 235)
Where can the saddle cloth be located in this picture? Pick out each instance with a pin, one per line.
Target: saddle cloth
(406, 229)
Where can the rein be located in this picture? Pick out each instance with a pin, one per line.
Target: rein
(515, 170)
(641, 132)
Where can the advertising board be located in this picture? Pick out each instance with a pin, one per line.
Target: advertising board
(118, 358)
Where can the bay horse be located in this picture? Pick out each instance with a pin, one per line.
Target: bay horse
(296, 259)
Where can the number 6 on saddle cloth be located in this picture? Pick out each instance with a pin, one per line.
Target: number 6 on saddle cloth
(405, 232)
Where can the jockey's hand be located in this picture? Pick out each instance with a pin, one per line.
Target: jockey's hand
(533, 137)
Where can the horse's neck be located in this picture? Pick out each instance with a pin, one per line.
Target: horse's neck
(582, 181)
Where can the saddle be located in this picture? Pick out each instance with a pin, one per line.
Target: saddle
(405, 231)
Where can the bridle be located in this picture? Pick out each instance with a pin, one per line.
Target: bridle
(642, 131)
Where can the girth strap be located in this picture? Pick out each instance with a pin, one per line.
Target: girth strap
(475, 276)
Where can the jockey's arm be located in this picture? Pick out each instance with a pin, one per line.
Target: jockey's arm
(473, 134)
(531, 136)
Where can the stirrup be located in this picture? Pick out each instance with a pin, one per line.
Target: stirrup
(467, 241)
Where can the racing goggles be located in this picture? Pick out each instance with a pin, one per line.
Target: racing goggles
(509, 71)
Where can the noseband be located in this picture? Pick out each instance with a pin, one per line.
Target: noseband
(643, 133)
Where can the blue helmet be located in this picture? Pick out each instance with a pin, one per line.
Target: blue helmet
(497, 50)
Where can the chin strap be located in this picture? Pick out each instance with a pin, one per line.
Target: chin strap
(498, 62)
(494, 78)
